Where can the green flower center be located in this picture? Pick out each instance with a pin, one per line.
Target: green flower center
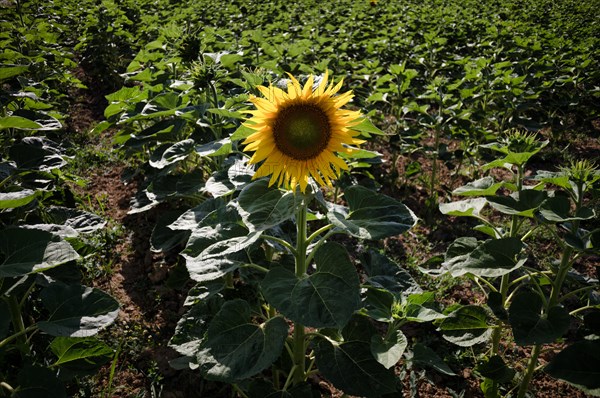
(302, 132)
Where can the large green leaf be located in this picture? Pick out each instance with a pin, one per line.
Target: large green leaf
(558, 209)
(466, 326)
(482, 187)
(78, 220)
(9, 200)
(530, 326)
(425, 356)
(389, 350)
(213, 251)
(371, 215)
(163, 237)
(496, 370)
(351, 367)
(492, 258)
(6, 72)
(25, 251)
(236, 348)
(37, 153)
(422, 307)
(39, 382)
(521, 203)
(386, 274)
(578, 364)
(172, 153)
(191, 329)
(80, 354)
(77, 311)
(262, 207)
(326, 298)
(468, 207)
(18, 122)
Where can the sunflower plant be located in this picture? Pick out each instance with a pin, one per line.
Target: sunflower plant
(276, 299)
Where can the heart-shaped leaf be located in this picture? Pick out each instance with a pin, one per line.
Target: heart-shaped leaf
(371, 215)
(27, 251)
(496, 370)
(521, 203)
(466, 326)
(492, 258)
(558, 209)
(425, 356)
(578, 364)
(389, 351)
(80, 354)
(77, 311)
(236, 348)
(326, 298)
(345, 363)
(530, 326)
(262, 207)
(482, 187)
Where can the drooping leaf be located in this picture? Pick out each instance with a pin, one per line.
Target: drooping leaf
(558, 209)
(482, 187)
(37, 153)
(27, 251)
(422, 307)
(578, 364)
(530, 326)
(495, 369)
(80, 354)
(371, 215)
(9, 200)
(79, 220)
(345, 363)
(163, 237)
(384, 273)
(262, 207)
(236, 348)
(172, 153)
(389, 351)
(77, 311)
(39, 382)
(466, 326)
(521, 203)
(326, 298)
(492, 258)
(425, 356)
(468, 207)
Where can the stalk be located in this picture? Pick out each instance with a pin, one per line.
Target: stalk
(299, 350)
(18, 324)
(505, 281)
(563, 270)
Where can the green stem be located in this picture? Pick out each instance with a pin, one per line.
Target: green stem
(16, 335)
(299, 349)
(530, 370)
(282, 242)
(18, 325)
(587, 307)
(318, 232)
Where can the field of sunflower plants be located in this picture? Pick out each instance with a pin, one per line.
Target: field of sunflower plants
(299, 199)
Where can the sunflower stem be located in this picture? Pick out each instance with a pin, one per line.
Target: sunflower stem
(299, 349)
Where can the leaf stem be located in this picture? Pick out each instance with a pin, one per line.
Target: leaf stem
(282, 242)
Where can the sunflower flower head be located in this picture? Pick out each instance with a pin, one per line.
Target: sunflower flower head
(299, 133)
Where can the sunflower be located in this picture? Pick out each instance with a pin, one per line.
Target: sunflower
(299, 133)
